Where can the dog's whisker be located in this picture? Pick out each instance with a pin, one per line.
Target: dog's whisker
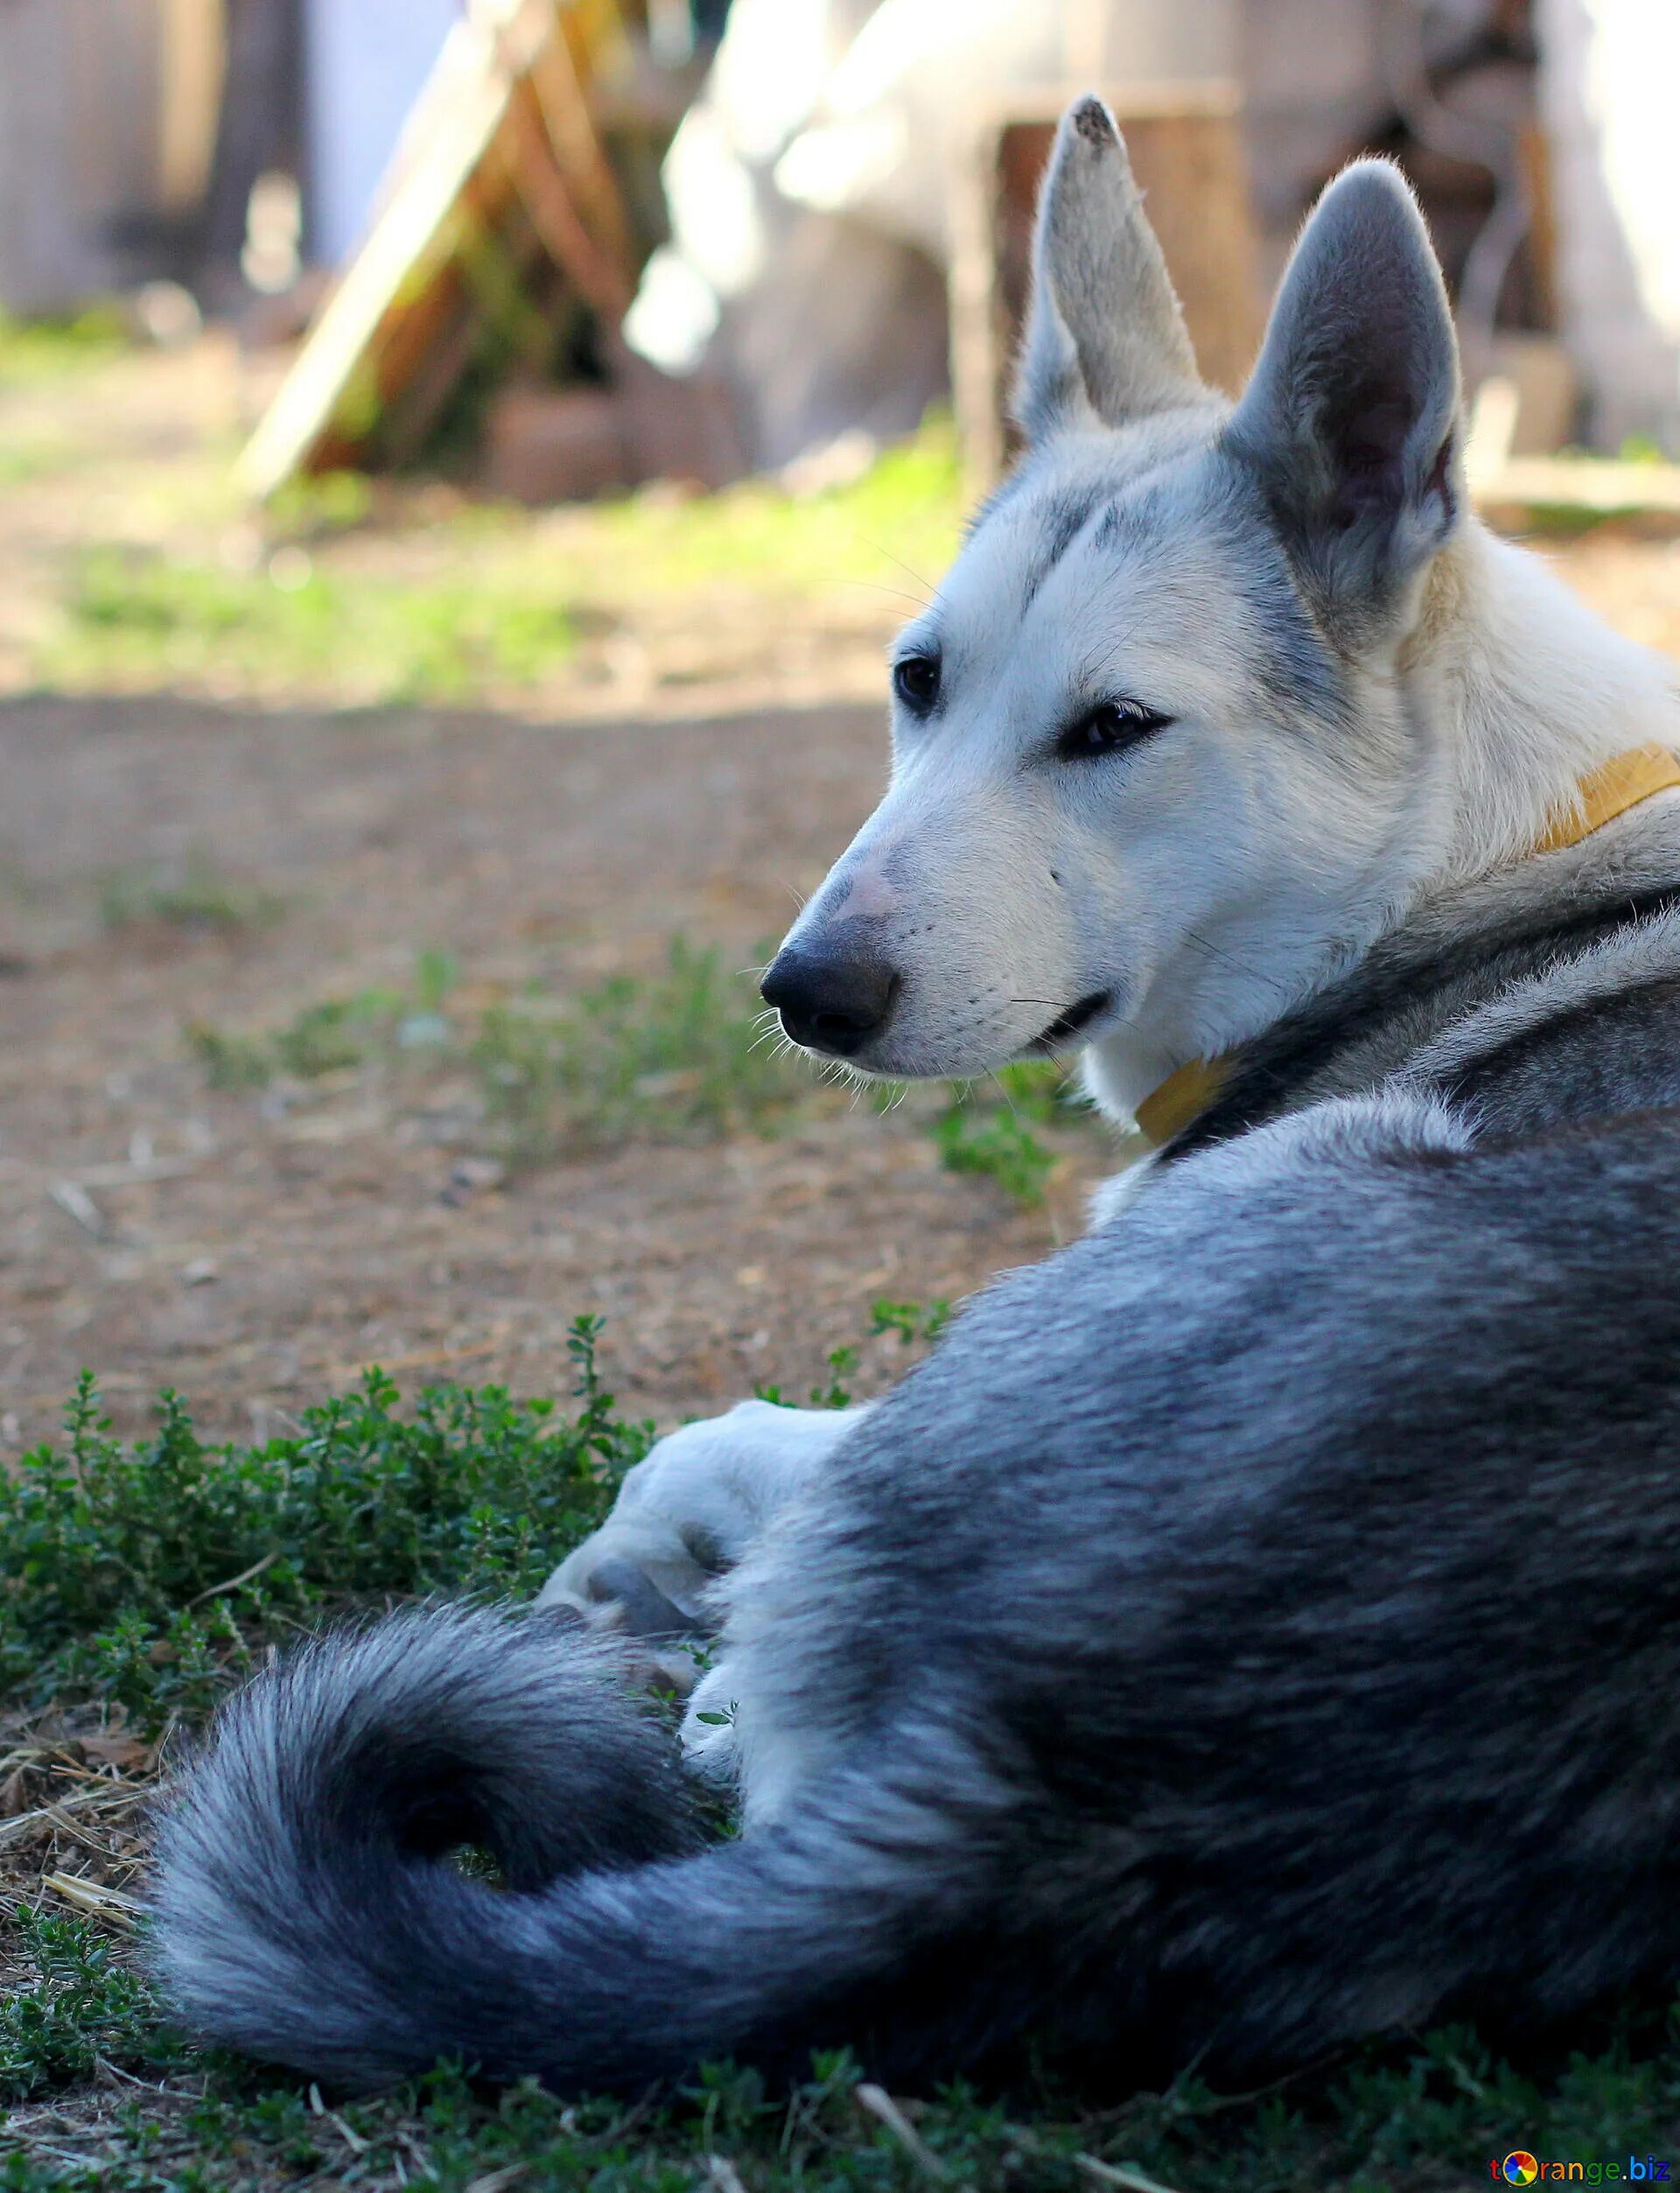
(930, 592)
(1004, 1090)
(897, 593)
(1256, 974)
(1108, 1014)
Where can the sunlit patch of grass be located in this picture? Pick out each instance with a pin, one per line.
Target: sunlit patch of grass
(350, 592)
(34, 456)
(133, 618)
(33, 351)
(898, 524)
(317, 506)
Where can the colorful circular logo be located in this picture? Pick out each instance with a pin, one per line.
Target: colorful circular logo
(1520, 2168)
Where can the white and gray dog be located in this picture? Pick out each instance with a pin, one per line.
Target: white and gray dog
(1259, 1625)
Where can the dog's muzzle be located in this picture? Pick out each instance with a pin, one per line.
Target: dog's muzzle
(828, 1003)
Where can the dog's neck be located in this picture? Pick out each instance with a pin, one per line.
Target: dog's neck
(1515, 692)
(1524, 690)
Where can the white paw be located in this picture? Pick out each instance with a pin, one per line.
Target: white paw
(710, 1739)
(688, 1514)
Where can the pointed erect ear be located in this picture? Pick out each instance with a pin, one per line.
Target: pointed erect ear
(1105, 338)
(1352, 417)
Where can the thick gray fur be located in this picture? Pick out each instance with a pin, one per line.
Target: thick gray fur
(1258, 1626)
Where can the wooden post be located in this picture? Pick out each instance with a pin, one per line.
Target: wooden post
(193, 36)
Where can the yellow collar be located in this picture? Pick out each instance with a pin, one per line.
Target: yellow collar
(1611, 790)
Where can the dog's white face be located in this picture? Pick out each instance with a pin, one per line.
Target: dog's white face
(1153, 764)
(1115, 791)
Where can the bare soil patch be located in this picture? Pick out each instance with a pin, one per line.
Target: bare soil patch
(254, 1247)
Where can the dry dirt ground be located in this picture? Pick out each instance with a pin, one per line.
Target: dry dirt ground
(285, 1244)
(688, 768)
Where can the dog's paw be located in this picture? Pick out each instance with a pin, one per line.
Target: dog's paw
(710, 1735)
(689, 1513)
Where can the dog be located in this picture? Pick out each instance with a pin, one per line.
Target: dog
(1257, 1626)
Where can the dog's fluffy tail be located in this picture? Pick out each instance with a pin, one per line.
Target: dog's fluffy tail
(309, 1910)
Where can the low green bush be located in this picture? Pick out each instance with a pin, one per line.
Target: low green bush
(148, 1573)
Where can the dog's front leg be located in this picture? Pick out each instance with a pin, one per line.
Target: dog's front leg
(688, 1512)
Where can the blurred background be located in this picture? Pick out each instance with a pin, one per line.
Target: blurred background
(797, 212)
(460, 462)
(557, 253)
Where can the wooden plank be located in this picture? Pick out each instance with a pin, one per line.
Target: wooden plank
(480, 139)
(599, 277)
(562, 76)
(411, 241)
(1185, 142)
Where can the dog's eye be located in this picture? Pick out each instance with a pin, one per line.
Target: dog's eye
(916, 680)
(1108, 729)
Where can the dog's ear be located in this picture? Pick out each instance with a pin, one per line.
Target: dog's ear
(1105, 337)
(1352, 416)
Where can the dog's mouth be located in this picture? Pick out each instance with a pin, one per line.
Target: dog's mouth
(1068, 1025)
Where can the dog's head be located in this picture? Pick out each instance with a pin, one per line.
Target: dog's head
(1153, 767)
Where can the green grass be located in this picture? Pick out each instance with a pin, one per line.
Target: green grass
(36, 351)
(79, 2006)
(989, 1127)
(34, 456)
(908, 505)
(1430, 2117)
(488, 601)
(147, 1575)
(195, 895)
(150, 1577)
(682, 1056)
(329, 1037)
(132, 616)
(900, 523)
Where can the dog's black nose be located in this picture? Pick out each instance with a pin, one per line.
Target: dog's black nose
(831, 1004)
